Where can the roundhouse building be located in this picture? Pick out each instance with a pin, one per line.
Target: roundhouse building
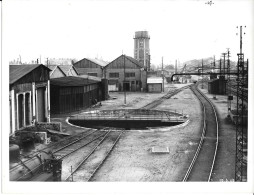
(29, 95)
(91, 67)
(125, 73)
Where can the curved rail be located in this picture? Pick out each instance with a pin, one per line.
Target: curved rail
(202, 139)
(148, 106)
(199, 146)
(34, 154)
(167, 96)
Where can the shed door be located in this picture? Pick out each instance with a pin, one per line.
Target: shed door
(41, 104)
(155, 87)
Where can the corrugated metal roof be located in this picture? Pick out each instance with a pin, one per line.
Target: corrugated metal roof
(18, 71)
(134, 61)
(51, 67)
(90, 77)
(154, 80)
(99, 62)
(65, 68)
(54, 67)
(131, 59)
(71, 81)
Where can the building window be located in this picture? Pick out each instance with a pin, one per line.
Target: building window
(130, 74)
(94, 74)
(114, 74)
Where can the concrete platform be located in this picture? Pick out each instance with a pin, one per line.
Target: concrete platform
(160, 150)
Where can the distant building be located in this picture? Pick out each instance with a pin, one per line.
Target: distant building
(125, 73)
(155, 84)
(29, 95)
(142, 49)
(91, 67)
(56, 71)
(69, 70)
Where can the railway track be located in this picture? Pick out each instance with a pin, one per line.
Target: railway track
(73, 146)
(49, 148)
(201, 167)
(167, 96)
(92, 138)
(93, 160)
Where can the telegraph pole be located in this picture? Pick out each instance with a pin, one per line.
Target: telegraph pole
(220, 66)
(224, 60)
(162, 71)
(124, 86)
(240, 113)
(202, 87)
(230, 97)
(214, 65)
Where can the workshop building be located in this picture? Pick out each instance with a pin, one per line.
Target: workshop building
(125, 74)
(91, 67)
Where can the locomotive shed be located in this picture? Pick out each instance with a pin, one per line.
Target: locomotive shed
(132, 158)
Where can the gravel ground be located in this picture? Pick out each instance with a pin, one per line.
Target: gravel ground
(224, 169)
(132, 159)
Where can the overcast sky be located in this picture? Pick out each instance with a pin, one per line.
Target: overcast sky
(180, 30)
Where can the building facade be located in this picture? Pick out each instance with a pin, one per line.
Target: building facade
(71, 93)
(29, 95)
(91, 67)
(125, 74)
(142, 48)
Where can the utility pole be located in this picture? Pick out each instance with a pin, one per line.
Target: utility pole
(230, 97)
(224, 61)
(20, 59)
(241, 76)
(124, 85)
(176, 70)
(220, 66)
(162, 74)
(214, 65)
(202, 87)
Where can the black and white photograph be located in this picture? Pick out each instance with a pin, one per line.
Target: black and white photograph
(127, 97)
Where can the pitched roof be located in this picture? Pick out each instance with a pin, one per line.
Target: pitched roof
(54, 67)
(130, 59)
(99, 62)
(18, 71)
(66, 68)
(71, 81)
(134, 61)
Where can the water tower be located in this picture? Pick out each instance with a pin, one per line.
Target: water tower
(141, 48)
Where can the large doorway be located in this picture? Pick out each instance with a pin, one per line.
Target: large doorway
(41, 104)
(20, 111)
(27, 108)
(126, 86)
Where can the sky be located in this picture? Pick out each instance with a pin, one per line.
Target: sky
(179, 30)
